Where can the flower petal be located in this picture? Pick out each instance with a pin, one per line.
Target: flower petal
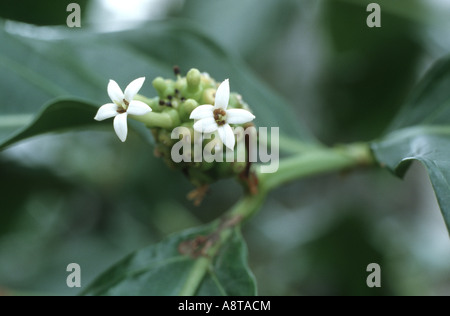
(138, 108)
(206, 125)
(106, 111)
(202, 111)
(222, 95)
(114, 92)
(120, 126)
(133, 88)
(227, 136)
(239, 116)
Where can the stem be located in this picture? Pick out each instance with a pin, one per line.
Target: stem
(159, 117)
(195, 276)
(247, 206)
(154, 119)
(317, 161)
(202, 264)
(153, 103)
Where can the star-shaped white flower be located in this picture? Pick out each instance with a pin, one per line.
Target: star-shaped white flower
(123, 104)
(211, 118)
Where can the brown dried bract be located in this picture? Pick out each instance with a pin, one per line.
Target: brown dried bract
(200, 245)
(198, 194)
(197, 247)
(157, 153)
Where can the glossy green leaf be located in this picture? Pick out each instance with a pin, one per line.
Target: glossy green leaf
(429, 103)
(34, 72)
(162, 270)
(422, 132)
(56, 116)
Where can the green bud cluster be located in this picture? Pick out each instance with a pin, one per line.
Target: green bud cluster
(175, 102)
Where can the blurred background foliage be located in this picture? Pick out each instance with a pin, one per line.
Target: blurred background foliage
(46, 12)
(63, 199)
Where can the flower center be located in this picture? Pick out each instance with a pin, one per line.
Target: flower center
(121, 108)
(219, 116)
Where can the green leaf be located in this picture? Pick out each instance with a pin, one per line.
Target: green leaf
(80, 65)
(55, 116)
(429, 103)
(162, 269)
(428, 144)
(422, 132)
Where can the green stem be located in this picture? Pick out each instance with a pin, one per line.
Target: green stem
(159, 117)
(195, 276)
(317, 161)
(153, 103)
(154, 119)
(203, 263)
(247, 206)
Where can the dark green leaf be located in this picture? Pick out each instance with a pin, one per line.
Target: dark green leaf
(428, 144)
(422, 132)
(162, 270)
(429, 103)
(56, 116)
(230, 274)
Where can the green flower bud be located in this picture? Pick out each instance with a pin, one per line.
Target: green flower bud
(153, 103)
(236, 101)
(186, 108)
(170, 89)
(174, 116)
(165, 139)
(181, 84)
(160, 86)
(193, 79)
(209, 96)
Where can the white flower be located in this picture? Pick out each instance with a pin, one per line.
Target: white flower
(123, 104)
(217, 118)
